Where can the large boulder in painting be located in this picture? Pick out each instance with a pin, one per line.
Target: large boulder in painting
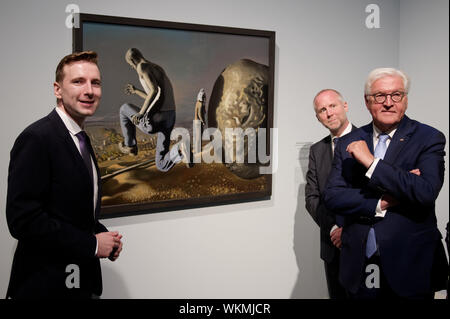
(239, 100)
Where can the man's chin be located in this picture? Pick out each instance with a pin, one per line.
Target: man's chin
(80, 116)
(88, 111)
(333, 127)
(389, 120)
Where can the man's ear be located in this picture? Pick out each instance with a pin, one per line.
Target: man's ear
(366, 99)
(57, 89)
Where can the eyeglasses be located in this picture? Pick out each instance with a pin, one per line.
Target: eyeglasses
(395, 97)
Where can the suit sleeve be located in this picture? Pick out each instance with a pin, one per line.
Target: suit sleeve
(314, 203)
(29, 189)
(341, 195)
(100, 228)
(409, 188)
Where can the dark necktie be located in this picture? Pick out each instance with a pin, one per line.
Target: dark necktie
(335, 143)
(380, 151)
(84, 140)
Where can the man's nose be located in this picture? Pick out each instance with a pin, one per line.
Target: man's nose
(88, 89)
(330, 111)
(388, 101)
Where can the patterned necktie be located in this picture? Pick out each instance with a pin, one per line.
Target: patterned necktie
(335, 143)
(84, 140)
(380, 151)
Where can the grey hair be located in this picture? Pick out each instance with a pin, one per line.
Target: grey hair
(341, 98)
(382, 72)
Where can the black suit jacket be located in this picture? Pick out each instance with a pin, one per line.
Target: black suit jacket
(409, 243)
(50, 212)
(319, 167)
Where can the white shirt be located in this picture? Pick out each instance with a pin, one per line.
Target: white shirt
(376, 138)
(74, 129)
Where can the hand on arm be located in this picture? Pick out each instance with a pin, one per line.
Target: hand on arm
(362, 154)
(411, 189)
(340, 196)
(390, 201)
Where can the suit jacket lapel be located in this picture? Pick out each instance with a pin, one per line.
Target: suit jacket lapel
(328, 155)
(62, 133)
(326, 159)
(99, 184)
(368, 136)
(91, 151)
(398, 142)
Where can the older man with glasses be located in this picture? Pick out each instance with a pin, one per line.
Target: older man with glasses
(385, 179)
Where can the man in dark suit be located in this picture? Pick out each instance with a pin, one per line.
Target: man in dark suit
(54, 196)
(385, 179)
(331, 110)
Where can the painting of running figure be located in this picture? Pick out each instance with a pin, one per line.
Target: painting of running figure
(186, 117)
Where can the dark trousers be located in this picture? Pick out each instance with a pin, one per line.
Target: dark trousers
(335, 289)
(384, 290)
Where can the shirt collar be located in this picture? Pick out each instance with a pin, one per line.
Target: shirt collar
(70, 124)
(377, 132)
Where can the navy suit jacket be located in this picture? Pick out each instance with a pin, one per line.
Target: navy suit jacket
(319, 167)
(50, 211)
(409, 243)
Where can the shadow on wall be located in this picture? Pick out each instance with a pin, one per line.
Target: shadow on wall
(311, 282)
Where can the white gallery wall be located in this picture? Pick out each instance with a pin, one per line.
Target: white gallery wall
(266, 249)
(424, 55)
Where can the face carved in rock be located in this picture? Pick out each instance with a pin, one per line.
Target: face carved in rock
(239, 100)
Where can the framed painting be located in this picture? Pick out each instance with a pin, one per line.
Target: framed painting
(186, 113)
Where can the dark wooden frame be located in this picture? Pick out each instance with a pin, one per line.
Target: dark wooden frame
(151, 207)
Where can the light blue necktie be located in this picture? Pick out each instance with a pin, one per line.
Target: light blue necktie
(380, 151)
